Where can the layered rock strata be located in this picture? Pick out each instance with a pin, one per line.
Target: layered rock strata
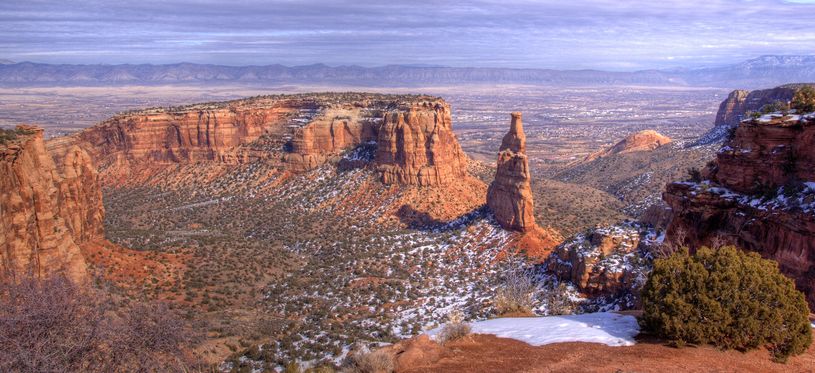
(509, 196)
(47, 208)
(645, 140)
(759, 195)
(413, 135)
(739, 103)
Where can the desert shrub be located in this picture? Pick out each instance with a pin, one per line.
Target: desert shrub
(292, 367)
(694, 175)
(454, 329)
(53, 325)
(726, 297)
(8, 135)
(775, 106)
(559, 302)
(321, 369)
(366, 361)
(516, 293)
(804, 100)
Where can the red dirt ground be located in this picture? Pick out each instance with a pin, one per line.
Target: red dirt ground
(487, 353)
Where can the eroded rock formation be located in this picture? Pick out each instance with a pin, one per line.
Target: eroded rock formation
(604, 261)
(739, 103)
(47, 208)
(418, 147)
(759, 195)
(413, 135)
(510, 194)
(645, 140)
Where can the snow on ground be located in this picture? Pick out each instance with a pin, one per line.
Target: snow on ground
(612, 329)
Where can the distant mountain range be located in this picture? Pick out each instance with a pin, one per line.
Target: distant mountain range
(759, 72)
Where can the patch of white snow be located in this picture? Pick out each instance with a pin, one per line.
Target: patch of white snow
(609, 328)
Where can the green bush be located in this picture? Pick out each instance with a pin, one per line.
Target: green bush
(727, 298)
(804, 100)
(775, 106)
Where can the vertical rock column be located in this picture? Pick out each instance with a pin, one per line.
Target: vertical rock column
(510, 194)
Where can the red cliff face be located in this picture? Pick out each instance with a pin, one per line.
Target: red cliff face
(760, 196)
(763, 155)
(739, 103)
(510, 194)
(193, 134)
(417, 146)
(732, 109)
(47, 208)
(413, 135)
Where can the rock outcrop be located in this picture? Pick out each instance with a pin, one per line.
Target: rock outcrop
(417, 146)
(509, 196)
(413, 135)
(645, 140)
(738, 104)
(759, 195)
(604, 261)
(47, 208)
(732, 109)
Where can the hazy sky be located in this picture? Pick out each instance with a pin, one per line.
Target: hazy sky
(601, 34)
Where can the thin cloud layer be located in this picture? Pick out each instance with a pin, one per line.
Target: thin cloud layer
(597, 34)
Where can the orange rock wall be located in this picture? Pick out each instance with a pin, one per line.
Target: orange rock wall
(47, 208)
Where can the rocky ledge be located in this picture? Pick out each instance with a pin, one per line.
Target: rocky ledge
(645, 140)
(759, 195)
(606, 264)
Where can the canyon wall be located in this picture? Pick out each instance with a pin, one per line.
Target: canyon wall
(738, 104)
(47, 208)
(192, 134)
(510, 194)
(413, 135)
(759, 195)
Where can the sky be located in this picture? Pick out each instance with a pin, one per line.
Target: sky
(575, 34)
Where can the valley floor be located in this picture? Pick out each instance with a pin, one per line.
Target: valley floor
(487, 353)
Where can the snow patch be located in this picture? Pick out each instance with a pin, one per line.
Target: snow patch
(608, 328)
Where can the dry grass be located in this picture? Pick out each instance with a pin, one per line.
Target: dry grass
(366, 361)
(515, 296)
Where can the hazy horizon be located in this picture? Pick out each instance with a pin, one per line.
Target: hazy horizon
(583, 34)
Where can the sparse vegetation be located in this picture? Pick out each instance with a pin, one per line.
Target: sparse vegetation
(728, 298)
(52, 325)
(9, 135)
(516, 292)
(804, 99)
(559, 302)
(367, 361)
(454, 329)
(694, 175)
(775, 107)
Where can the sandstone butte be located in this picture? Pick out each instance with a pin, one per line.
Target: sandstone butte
(645, 140)
(49, 205)
(727, 208)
